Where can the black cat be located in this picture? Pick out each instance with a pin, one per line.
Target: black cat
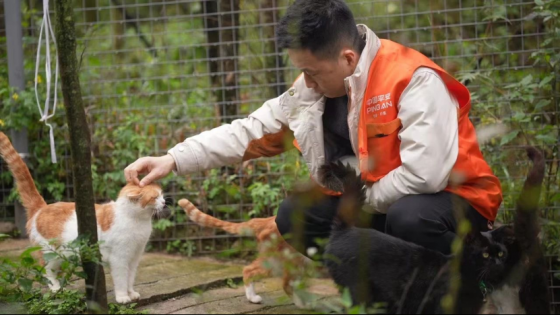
(409, 278)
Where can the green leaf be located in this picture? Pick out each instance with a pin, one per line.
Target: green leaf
(25, 284)
(30, 250)
(519, 116)
(541, 104)
(511, 86)
(65, 265)
(49, 256)
(232, 191)
(526, 80)
(357, 310)
(546, 80)
(539, 2)
(510, 136)
(548, 139)
(346, 298)
(27, 261)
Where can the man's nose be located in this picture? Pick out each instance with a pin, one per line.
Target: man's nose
(309, 82)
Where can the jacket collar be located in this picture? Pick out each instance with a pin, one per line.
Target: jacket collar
(358, 80)
(356, 83)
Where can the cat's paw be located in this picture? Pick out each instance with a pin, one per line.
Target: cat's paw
(134, 296)
(255, 299)
(123, 299)
(251, 295)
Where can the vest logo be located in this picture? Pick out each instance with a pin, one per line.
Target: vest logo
(379, 103)
(379, 98)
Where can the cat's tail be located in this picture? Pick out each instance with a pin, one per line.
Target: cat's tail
(526, 220)
(343, 178)
(207, 220)
(30, 197)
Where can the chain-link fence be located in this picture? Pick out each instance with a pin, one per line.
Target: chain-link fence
(154, 72)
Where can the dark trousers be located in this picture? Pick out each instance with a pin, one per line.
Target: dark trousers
(427, 220)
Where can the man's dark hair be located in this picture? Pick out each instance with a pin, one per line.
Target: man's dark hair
(322, 26)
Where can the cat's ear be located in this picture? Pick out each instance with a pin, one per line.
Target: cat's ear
(134, 196)
(473, 237)
(505, 234)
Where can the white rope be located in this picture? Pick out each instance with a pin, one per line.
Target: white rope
(49, 34)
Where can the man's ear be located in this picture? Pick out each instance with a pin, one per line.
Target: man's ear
(351, 57)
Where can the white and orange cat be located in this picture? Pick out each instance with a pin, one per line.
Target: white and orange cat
(275, 254)
(124, 226)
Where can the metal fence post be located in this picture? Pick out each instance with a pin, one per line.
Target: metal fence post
(14, 41)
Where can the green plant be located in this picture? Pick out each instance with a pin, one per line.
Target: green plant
(4, 237)
(163, 224)
(527, 102)
(264, 196)
(219, 187)
(18, 278)
(344, 305)
(139, 104)
(72, 255)
(19, 111)
(186, 248)
(125, 309)
(72, 302)
(62, 302)
(22, 281)
(232, 284)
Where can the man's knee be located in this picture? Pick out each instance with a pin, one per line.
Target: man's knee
(402, 220)
(425, 220)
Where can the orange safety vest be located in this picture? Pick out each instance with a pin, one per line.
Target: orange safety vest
(378, 141)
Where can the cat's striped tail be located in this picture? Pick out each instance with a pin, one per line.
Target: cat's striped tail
(206, 220)
(30, 197)
(526, 220)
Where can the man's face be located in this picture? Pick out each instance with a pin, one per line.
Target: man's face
(325, 76)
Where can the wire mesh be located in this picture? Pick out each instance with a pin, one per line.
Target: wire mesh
(155, 72)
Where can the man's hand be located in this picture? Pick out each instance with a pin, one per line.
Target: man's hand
(155, 167)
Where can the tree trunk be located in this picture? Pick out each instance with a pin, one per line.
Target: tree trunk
(274, 62)
(80, 148)
(221, 21)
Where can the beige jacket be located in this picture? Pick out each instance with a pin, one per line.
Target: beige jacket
(429, 136)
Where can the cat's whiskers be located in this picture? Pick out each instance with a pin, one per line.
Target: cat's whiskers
(482, 275)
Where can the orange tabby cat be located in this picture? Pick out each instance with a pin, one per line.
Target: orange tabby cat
(272, 250)
(124, 226)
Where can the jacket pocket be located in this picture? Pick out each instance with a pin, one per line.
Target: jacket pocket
(383, 148)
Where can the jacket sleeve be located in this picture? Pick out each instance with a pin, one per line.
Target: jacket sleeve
(429, 142)
(262, 133)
